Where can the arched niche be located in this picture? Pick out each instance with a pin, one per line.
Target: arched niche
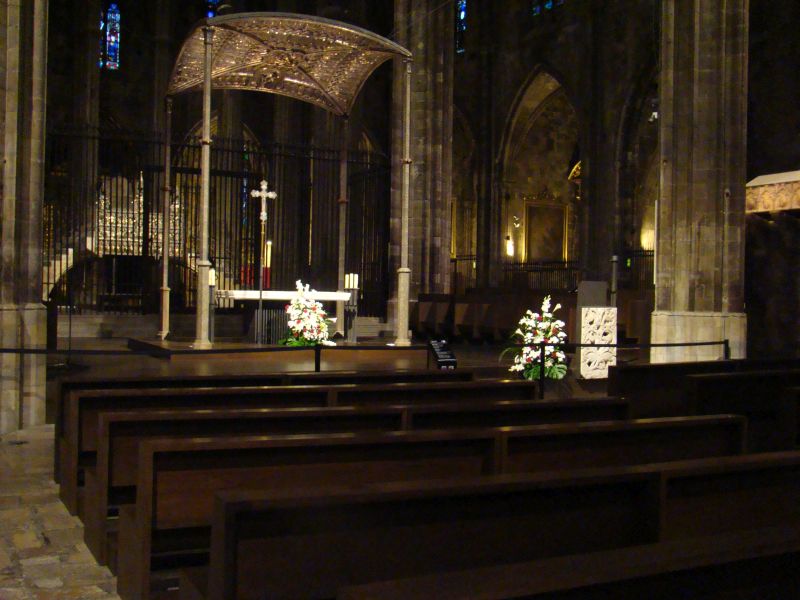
(540, 203)
(638, 177)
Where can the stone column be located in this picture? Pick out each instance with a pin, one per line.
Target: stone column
(489, 214)
(23, 57)
(699, 292)
(425, 28)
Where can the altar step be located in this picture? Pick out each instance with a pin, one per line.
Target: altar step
(228, 327)
(372, 327)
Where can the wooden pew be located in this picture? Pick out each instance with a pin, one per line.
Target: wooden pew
(468, 314)
(80, 409)
(792, 394)
(177, 478)
(434, 314)
(112, 479)
(758, 395)
(677, 515)
(113, 380)
(659, 390)
(762, 561)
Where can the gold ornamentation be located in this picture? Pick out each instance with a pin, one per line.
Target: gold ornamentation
(312, 59)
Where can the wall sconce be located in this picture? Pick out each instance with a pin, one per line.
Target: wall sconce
(509, 246)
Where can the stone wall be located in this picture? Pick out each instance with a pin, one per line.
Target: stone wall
(23, 27)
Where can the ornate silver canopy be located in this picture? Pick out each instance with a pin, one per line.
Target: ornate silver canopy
(317, 60)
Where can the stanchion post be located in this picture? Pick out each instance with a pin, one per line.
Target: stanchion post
(541, 371)
(351, 307)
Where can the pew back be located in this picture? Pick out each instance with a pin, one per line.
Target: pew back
(112, 480)
(177, 478)
(657, 390)
(682, 510)
(758, 395)
(321, 541)
(81, 409)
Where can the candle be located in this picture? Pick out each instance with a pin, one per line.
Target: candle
(355, 283)
(269, 253)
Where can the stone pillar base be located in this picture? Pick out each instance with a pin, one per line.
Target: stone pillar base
(671, 327)
(391, 315)
(22, 377)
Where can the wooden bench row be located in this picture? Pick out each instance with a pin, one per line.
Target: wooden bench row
(659, 389)
(75, 438)
(129, 382)
(482, 317)
(177, 478)
(111, 479)
(607, 524)
(753, 388)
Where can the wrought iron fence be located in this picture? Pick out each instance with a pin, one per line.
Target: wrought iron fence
(554, 275)
(637, 270)
(103, 219)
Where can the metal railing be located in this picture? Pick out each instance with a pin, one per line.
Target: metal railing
(103, 219)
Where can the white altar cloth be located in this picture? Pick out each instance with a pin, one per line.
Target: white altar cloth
(280, 295)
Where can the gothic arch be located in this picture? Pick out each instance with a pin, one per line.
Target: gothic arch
(637, 174)
(540, 147)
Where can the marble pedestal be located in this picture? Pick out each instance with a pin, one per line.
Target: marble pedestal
(598, 325)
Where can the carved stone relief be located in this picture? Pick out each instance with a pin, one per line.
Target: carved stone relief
(598, 326)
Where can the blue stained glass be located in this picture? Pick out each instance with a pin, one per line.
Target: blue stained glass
(102, 60)
(112, 38)
(537, 9)
(461, 24)
(548, 4)
(212, 8)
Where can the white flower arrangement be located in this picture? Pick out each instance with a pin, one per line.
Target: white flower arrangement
(535, 329)
(308, 322)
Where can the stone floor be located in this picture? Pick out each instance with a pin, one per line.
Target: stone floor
(42, 554)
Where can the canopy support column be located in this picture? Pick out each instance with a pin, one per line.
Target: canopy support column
(165, 220)
(404, 273)
(203, 264)
(342, 222)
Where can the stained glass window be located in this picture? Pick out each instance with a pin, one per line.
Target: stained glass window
(102, 53)
(112, 38)
(542, 6)
(461, 24)
(212, 8)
